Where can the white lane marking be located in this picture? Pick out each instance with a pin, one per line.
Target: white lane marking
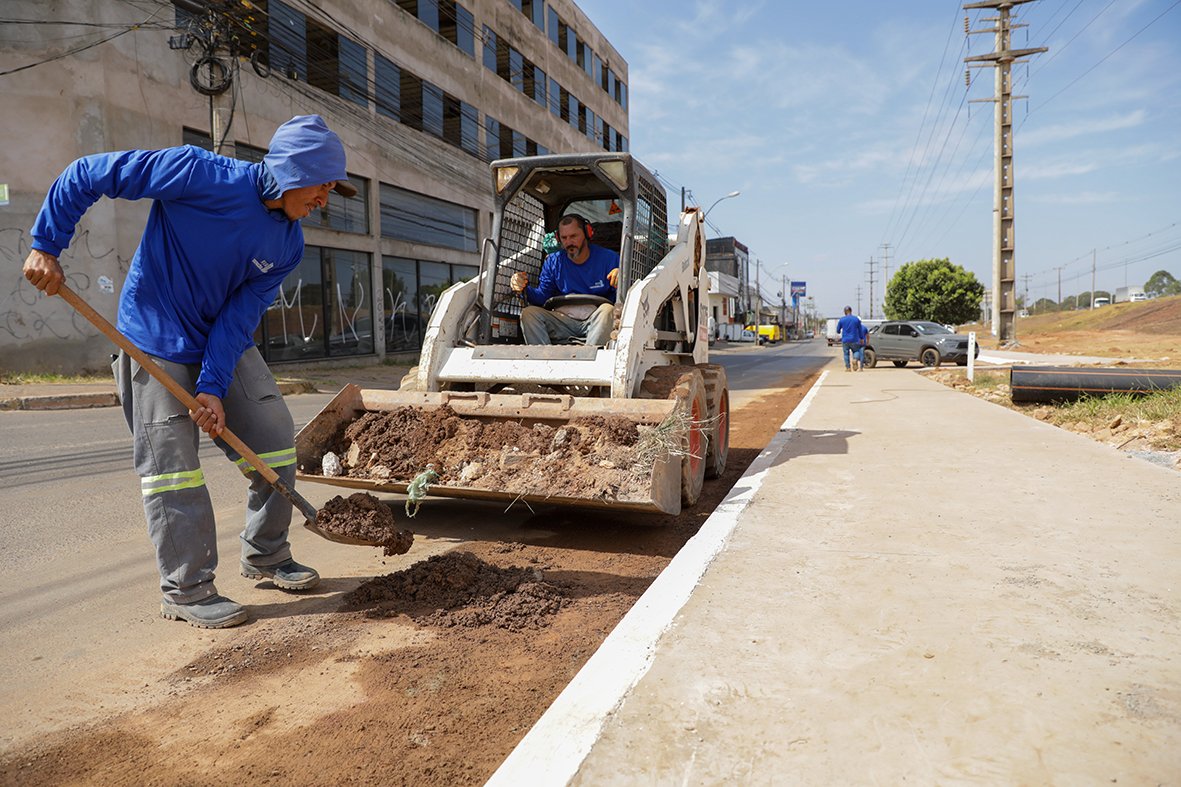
(554, 749)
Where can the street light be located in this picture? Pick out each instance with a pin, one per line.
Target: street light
(719, 199)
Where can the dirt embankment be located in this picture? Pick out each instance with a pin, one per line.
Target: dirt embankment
(1147, 330)
(427, 676)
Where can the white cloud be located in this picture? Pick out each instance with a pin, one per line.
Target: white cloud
(1064, 131)
(1080, 198)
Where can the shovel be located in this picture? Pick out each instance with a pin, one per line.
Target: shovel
(189, 401)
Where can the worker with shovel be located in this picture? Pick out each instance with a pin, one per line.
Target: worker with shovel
(221, 236)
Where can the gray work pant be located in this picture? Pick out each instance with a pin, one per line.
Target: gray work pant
(176, 502)
(542, 326)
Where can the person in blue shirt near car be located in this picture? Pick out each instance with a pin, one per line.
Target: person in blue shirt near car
(849, 327)
(580, 268)
(221, 236)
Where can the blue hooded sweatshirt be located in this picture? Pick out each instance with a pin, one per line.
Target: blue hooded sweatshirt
(212, 255)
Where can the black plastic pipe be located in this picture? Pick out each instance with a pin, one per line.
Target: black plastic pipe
(1067, 383)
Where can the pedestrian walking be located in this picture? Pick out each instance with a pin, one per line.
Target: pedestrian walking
(221, 236)
(849, 327)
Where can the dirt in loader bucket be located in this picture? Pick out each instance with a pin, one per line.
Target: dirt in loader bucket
(364, 517)
(589, 457)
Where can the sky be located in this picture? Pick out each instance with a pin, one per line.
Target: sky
(846, 125)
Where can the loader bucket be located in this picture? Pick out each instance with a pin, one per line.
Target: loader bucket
(537, 448)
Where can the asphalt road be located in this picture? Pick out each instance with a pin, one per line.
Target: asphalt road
(78, 603)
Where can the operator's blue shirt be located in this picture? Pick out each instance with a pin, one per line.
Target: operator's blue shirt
(211, 258)
(850, 328)
(561, 276)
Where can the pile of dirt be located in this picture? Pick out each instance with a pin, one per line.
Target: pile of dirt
(599, 457)
(458, 589)
(365, 518)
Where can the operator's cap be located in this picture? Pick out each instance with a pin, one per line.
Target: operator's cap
(305, 152)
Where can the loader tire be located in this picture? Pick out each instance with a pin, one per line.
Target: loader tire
(717, 398)
(686, 385)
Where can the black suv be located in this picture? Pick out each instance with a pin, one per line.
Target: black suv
(929, 343)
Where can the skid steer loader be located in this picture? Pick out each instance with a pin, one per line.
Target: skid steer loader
(654, 371)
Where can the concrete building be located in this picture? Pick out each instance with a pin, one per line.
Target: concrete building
(728, 262)
(423, 93)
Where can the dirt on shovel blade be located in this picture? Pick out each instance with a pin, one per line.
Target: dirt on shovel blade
(363, 516)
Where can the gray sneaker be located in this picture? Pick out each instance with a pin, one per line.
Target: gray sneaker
(288, 575)
(215, 612)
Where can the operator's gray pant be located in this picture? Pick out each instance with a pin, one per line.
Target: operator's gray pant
(542, 326)
(179, 512)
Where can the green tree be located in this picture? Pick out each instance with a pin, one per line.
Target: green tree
(1069, 303)
(934, 290)
(1043, 306)
(1162, 283)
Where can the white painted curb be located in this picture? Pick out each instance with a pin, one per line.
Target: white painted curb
(554, 749)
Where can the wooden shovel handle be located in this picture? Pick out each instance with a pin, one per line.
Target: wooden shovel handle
(184, 397)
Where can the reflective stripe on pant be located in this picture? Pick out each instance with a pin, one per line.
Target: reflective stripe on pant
(176, 502)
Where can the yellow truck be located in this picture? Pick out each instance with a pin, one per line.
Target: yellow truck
(767, 333)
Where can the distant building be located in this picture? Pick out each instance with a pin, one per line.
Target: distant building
(423, 94)
(728, 262)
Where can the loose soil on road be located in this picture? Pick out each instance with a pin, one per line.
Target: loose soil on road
(427, 676)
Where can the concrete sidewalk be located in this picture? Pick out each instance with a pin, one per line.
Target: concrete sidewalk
(912, 585)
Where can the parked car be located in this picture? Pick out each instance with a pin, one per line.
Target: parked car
(929, 343)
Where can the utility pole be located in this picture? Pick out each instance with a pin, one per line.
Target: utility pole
(1004, 264)
(1092, 278)
(1025, 277)
(783, 300)
(1059, 269)
(871, 272)
(885, 274)
(858, 300)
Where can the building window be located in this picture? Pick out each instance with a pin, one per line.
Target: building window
(293, 325)
(461, 124)
(553, 24)
(458, 26)
(417, 218)
(432, 109)
(555, 97)
(198, 139)
(388, 89)
(411, 98)
(425, 11)
(288, 50)
(410, 290)
(354, 72)
(350, 316)
(490, 47)
(346, 214)
(491, 138)
(245, 152)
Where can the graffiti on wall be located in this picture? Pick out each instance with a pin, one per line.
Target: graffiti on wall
(27, 313)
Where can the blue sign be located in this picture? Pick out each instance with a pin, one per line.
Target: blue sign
(798, 289)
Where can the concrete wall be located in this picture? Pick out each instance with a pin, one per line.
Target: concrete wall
(133, 92)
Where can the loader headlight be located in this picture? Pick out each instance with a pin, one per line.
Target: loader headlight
(504, 176)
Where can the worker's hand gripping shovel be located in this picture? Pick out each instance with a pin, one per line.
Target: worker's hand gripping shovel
(187, 399)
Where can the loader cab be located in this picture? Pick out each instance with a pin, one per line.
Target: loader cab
(620, 199)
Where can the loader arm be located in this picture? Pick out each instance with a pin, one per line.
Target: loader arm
(680, 275)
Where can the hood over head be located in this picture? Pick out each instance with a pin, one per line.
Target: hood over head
(305, 152)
